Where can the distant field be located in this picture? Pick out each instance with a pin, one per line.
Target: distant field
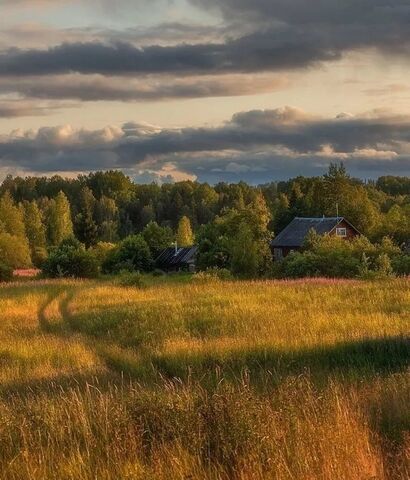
(205, 380)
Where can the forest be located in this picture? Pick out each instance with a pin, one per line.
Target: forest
(108, 215)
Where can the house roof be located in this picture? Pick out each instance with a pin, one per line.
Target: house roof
(295, 233)
(171, 258)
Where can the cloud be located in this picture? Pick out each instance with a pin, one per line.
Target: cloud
(98, 87)
(256, 52)
(391, 89)
(286, 35)
(255, 146)
(22, 108)
(30, 35)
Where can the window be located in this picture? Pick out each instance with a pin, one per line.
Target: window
(341, 232)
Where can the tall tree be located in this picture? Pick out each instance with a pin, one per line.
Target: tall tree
(85, 226)
(185, 236)
(11, 217)
(60, 223)
(35, 230)
(245, 257)
(106, 216)
(157, 237)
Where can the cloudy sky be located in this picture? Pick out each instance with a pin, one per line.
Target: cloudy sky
(214, 90)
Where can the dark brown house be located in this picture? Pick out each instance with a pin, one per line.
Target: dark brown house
(292, 238)
(175, 259)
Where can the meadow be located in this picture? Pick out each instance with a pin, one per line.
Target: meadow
(205, 379)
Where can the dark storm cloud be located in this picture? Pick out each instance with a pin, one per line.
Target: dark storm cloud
(286, 128)
(251, 145)
(286, 35)
(256, 52)
(304, 12)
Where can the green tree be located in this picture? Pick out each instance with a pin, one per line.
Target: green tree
(245, 258)
(60, 223)
(71, 259)
(36, 233)
(157, 237)
(185, 236)
(238, 240)
(85, 226)
(14, 251)
(106, 217)
(11, 217)
(131, 254)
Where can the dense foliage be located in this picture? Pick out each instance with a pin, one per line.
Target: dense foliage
(331, 256)
(71, 259)
(132, 254)
(231, 223)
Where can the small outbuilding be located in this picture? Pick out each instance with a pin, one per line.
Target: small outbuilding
(292, 238)
(174, 259)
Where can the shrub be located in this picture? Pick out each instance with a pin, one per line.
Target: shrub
(401, 265)
(297, 265)
(213, 274)
(158, 273)
(71, 259)
(383, 266)
(330, 256)
(132, 279)
(131, 254)
(6, 273)
(102, 251)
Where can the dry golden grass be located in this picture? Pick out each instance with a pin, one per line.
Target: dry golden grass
(206, 380)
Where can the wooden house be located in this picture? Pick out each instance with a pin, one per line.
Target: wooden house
(174, 259)
(292, 238)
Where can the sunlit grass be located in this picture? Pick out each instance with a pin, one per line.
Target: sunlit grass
(205, 380)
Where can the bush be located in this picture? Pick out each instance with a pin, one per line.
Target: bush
(401, 265)
(102, 251)
(158, 273)
(214, 274)
(6, 273)
(71, 259)
(299, 265)
(132, 254)
(132, 279)
(330, 256)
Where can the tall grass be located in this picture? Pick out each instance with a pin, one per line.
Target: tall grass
(205, 380)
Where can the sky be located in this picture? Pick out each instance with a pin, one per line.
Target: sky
(207, 90)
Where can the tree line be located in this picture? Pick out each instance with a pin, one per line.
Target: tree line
(231, 223)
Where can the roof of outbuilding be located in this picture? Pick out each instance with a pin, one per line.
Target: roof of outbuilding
(171, 258)
(295, 233)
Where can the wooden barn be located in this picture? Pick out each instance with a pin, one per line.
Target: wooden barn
(292, 238)
(175, 259)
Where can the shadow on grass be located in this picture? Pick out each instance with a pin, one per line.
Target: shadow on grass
(358, 359)
(355, 359)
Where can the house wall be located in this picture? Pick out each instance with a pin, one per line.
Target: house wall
(350, 232)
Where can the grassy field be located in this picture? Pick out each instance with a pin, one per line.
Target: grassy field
(204, 379)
